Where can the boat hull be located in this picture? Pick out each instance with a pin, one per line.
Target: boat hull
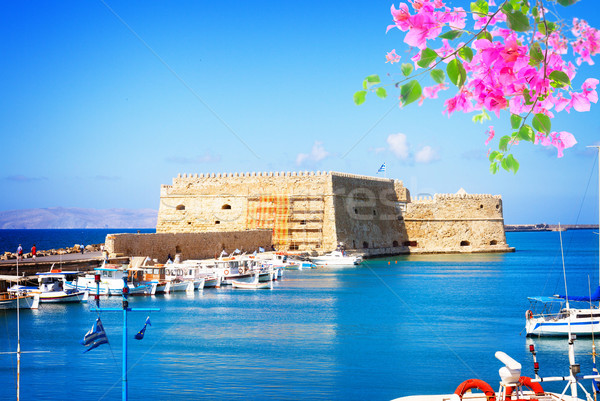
(582, 322)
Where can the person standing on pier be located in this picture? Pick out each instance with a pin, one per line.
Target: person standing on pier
(20, 252)
(33, 251)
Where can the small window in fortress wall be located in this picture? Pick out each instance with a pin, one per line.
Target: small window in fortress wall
(365, 244)
(497, 206)
(410, 243)
(293, 247)
(481, 206)
(226, 207)
(465, 243)
(395, 244)
(493, 242)
(303, 222)
(180, 207)
(217, 222)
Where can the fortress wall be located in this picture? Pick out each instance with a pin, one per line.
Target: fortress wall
(190, 245)
(367, 212)
(456, 223)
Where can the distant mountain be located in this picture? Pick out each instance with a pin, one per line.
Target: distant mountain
(59, 217)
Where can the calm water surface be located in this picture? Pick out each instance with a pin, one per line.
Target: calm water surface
(392, 327)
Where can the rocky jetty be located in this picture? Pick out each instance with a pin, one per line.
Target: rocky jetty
(62, 251)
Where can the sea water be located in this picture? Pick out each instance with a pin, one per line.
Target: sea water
(46, 239)
(391, 327)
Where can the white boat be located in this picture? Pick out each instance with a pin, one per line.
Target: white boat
(553, 316)
(336, 258)
(51, 288)
(254, 284)
(515, 386)
(14, 300)
(111, 282)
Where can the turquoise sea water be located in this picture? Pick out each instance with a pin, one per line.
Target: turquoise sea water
(389, 328)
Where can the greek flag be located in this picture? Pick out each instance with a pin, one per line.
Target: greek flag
(236, 251)
(261, 249)
(140, 334)
(95, 336)
(382, 168)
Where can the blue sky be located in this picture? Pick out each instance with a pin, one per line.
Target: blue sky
(104, 101)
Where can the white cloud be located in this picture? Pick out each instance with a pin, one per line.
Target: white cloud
(316, 154)
(426, 155)
(399, 145)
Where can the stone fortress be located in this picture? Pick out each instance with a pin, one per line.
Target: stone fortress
(316, 211)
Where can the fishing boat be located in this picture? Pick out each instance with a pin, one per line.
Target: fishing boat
(15, 300)
(110, 282)
(51, 288)
(336, 259)
(554, 316)
(254, 284)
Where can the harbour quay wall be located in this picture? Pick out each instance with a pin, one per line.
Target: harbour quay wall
(196, 245)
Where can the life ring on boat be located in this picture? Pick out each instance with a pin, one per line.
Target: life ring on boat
(528, 314)
(241, 270)
(478, 384)
(226, 272)
(526, 381)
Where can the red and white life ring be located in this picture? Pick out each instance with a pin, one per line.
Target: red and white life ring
(526, 381)
(528, 314)
(226, 272)
(478, 384)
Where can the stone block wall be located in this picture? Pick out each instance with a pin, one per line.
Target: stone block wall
(456, 223)
(367, 213)
(202, 245)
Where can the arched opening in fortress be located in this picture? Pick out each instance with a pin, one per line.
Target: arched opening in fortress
(226, 207)
(493, 242)
(180, 207)
(410, 243)
(395, 244)
(465, 243)
(365, 244)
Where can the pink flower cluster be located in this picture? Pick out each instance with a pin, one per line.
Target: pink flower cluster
(501, 76)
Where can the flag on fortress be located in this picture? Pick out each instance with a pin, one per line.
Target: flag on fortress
(382, 168)
(95, 336)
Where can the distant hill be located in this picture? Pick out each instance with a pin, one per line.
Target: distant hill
(58, 217)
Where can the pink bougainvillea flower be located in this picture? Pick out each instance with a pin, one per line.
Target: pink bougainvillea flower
(392, 57)
(562, 140)
(491, 134)
(401, 16)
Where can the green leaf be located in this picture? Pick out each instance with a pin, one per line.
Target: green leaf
(466, 53)
(526, 133)
(407, 69)
(456, 72)
(480, 7)
(560, 77)
(427, 57)
(512, 163)
(480, 118)
(517, 21)
(359, 97)
(515, 121)
(527, 97)
(494, 155)
(534, 11)
(381, 93)
(503, 145)
(505, 164)
(485, 35)
(536, 55)
(541, 123)
(493, 168)
(373, 79)
(410, 92)
(566, 2)
(365, 85)
(450, 35)
(438, 75)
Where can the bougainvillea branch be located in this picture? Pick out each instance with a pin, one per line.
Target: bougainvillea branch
(512, 61)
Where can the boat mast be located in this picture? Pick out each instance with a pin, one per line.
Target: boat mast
(598, 161)
(18, 337)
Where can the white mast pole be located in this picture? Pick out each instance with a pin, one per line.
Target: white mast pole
(598, 160)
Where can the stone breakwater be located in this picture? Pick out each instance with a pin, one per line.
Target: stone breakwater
(61, 251)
